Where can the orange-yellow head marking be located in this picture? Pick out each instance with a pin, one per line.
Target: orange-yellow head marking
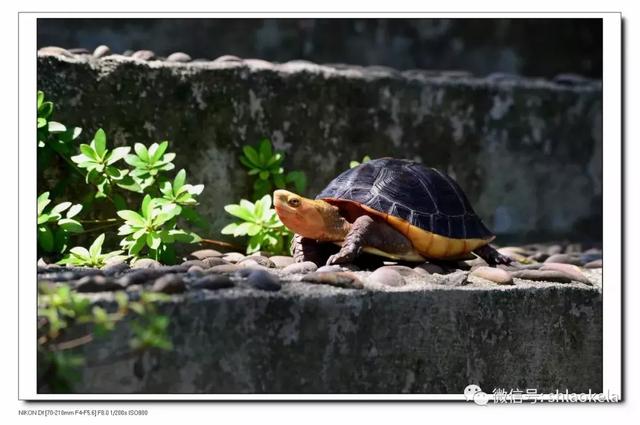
(312, 219)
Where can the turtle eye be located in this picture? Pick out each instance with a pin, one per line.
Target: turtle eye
(294, 202)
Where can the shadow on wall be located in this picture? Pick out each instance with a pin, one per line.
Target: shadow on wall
(530, 47)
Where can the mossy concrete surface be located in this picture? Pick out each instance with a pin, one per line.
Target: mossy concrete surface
(527, 152)
(421, 338)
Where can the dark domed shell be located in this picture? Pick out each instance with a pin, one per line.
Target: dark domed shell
(425, 197)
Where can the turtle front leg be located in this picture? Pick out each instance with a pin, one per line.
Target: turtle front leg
(366, 232)
(305, 249)
(491, 256)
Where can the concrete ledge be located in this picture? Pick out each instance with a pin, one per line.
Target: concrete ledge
(527, 152)
(421, 338)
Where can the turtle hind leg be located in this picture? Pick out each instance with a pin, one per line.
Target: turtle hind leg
(305, 249)
(491, 256)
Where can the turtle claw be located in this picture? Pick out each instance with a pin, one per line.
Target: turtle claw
(340, 258)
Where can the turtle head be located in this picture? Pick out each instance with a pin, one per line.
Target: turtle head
(314, 219)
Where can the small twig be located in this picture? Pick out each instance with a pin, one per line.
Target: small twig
(108, 220)
(73, 343)
(222, 244)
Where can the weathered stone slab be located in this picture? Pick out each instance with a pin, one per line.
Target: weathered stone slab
(527, 152)
(420, 338)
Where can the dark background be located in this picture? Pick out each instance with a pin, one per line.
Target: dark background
(528, 47)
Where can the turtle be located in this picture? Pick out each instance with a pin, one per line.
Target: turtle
(393, 208)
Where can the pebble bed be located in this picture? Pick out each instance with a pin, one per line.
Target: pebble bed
(211, 270)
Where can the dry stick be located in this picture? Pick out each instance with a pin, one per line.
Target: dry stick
(222, 244)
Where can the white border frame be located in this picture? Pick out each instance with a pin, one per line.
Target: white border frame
(612, 212)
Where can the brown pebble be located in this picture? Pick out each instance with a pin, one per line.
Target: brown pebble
(224, 268)
(145, 263)
(233, 257)
(145, 55)
(198, 263)
(404, 270)
(564, 259)
(213, 261)
(570, 270)
(281, 261)
(201, 254)
(387, 276)
(169, 284)
(499, 276)
(544, 275)
(339, 279)
(195, 270)
(258, 259)
(179, 57)
(304, 267)
(595, 264)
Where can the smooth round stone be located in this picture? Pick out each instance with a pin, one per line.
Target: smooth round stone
(595, 264)
(430, 268)
(555, 249)
(563, 258)
(515, 255)
(179, 57)
(475, 263)
(201, 254)
(262, 279)
(101, 51)
(79, 51)
(97, 284)
(519, 266)
(499, 276)
(538, 256)
(587, 258)
(224, 268)
(212, 282)
(169, 284)
(227, 58)
(195, 270)
(387, 276)
(179, 268)
(331, 268)
(140, 276)
(145, 55)
(339, 279)
(213, 261)
(304, 267)
(542, 275)
(41, 262)
(115, 269)
(114, 261)
(190, 263)
(233, 257)
(459, 278)
(570, 270)
(403, 270)
(54, 51)
(260, 253)
(127, 52)
(258, 259)
(573, 248)
(145, 263)
(281, 261)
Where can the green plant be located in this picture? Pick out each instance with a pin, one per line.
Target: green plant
(149, 163)
(93, 257)
(354, 164)
(266, 164)
(260, 222)
(53, 228)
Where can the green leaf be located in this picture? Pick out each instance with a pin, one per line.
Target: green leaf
(134, 161)
(147, 207)
(70, 225)
(115, 173)
(89, 152)
(100, 143)
(137, 246)
(45, 109)
(252, 156)
(80, 252)
(299, 179)
(178, 182)
(153, 240)
(60, 207)
(132, 217)
(265, 151)
(96, 247)
(185, 237)
(128, 183)
(40, 98)
(43, 201)
(43, 218)
(353, 164)
(264, 175)
(117, 154)
(238, 211)
(56, 127)
(229, 229)
(74, 210)
(141, 151)
(159, 151)
(196, 189)
(45, 238)
(42, 122)
(253, 229)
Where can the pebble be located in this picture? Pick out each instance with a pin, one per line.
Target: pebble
(545, 275)
(519, 266)
(476, 262)
(54, 51)
(281, 261)
(212, 282)
(262, 279)
(515, 255)
(563, 258)
(139, 276)
(430, 268)
(233, 257)
(145, 263)
(331, 268)
(587, 258)
(195, 270)
(451, 279)
(213, 261)
(97, 284)
(174, 269)
(115, 269)
(169, 284)
(114, 260)
(539, 256)
(570, 270)
(406, 271)
(258, 259)
(595, 264)
(41, 262)
(227, 58)
(79, 51)
(555, 249)
(145, 55)
(304, 267)
(198, 263)
(499, 276)
(127, 52)
(101, 50)
(339, 279)
(179, 57)
(223, 268)
(387, 276)
(201, 254)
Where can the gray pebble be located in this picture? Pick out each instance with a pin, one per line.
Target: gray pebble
(544, 275)
(145, 55)
(587, 258)
(195, 270)
(595, 264)
(169, 284)
(564, 258)
(213, 261)
(212, 282)
(499, 276)
(452, 279)
(331, 268)
(340, 279)
(198, 263)
(127, 52)
(179, 57)
(258, 259)
(145, 263)
(201, 254)
(115, 269)
(304, 267)
(54, 51)
(233, 257)
(262, 279)
(179, 268)
(101, 51)
(555, 249)
(281, 261)
(139, 276)
(387, 276)
(227, 58)
(538, 256)
(79, 51)
(406, 271)
(224, 268)
(97, 284)
(570, 270)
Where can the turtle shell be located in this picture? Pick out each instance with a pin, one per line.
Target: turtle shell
(407, 193)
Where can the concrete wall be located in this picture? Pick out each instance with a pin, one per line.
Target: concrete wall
(527, 152)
